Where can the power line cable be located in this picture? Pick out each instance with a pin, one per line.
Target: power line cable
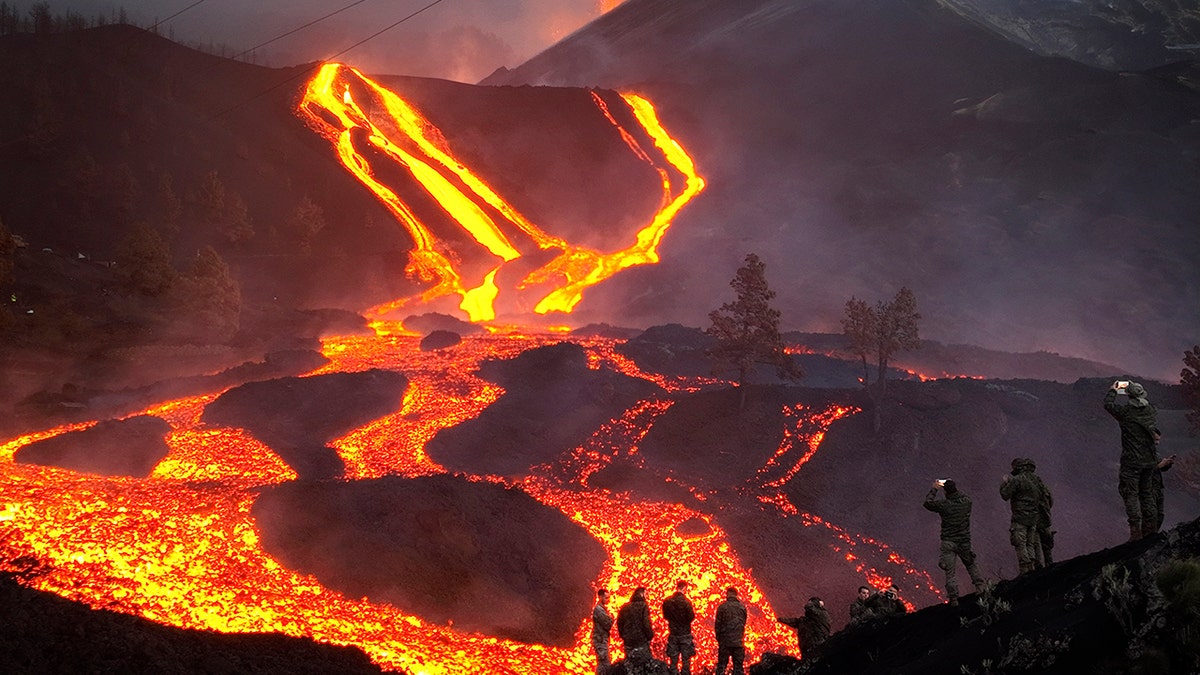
(298, 28)
(330, 58)
(158, 23)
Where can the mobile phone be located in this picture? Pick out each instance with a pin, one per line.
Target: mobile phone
(1122, 385)
(941, 482)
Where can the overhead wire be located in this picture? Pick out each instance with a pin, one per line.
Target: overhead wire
(306, 71)
(158, 23)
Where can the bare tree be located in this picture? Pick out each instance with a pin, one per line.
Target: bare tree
(747, 329)
(897, 329)
(861, 328)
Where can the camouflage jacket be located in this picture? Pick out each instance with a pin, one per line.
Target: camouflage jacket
(602, 623)
(955, 511)
(1023, 491)
(678, 612)
(730, 625)
(633, 624)
(1139, 427)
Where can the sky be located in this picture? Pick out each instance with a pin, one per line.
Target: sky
(461, 40)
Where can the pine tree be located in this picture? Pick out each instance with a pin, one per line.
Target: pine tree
(1189, 380)
(747, 329)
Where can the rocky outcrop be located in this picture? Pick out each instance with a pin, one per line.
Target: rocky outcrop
(129, 447)
(297, 416)
(1131, 608)
(552, 403)
(490, 559)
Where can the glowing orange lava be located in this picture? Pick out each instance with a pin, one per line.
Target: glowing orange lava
(403, 137)
(180, 546)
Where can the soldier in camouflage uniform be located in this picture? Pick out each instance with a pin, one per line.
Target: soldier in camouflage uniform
(633, 625)
(1138, 421)
(602, 623)
(1022, 489)
(955, 511)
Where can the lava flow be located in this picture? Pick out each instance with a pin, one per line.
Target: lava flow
(404, 137)
(180, 546)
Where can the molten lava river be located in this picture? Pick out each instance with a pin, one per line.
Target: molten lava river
(180, 546)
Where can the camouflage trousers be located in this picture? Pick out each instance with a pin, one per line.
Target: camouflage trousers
(1136, 486)
(951, 553)
(603, 661)
(1028, 545)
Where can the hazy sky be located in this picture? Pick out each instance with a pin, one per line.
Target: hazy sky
(461, 40)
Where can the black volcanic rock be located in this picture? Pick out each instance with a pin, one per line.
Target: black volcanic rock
(440, 339)
(490, 559)
(433, 321)
(671, 349)
(709, 438)
(296, 416)
(44, 633)
(128, 447)
(1117, 610)
(552, 403)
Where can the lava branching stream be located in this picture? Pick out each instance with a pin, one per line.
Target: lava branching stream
(181, 547)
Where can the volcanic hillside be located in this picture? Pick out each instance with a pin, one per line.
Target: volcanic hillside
(1030, 202)
(136, 153)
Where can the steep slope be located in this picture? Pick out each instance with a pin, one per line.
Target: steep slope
(1031, 202)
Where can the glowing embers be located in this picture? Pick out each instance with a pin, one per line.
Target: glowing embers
(395, 135)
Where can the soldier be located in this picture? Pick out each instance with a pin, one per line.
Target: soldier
(679, 613)
(633, 625)
(1138, 421)
(602, 623)
(730, 628)
(955, 511)
(886, 604)
(812, 629)
(1023, 491)
(1044, 529)
(859, 609)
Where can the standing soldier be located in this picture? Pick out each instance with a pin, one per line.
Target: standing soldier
(1045, 529)
(679, 613)
(730, 627)
(1139, 457)
(1022, 489)
(602, 623)
(812, 629)
(955, 511)
(633, 625)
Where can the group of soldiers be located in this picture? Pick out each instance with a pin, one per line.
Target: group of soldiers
(636, 631)
(729, 627)
(1139, 484)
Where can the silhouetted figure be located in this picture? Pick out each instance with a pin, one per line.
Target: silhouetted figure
(1138, 421)
(859, 609)
(730, 628)
(812, 629)
(1157, 486)
(633, 625)
(1045, 528)
(955, 511)
(886, 604)
(602, 623)
(679, 613)
(1023, 491)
